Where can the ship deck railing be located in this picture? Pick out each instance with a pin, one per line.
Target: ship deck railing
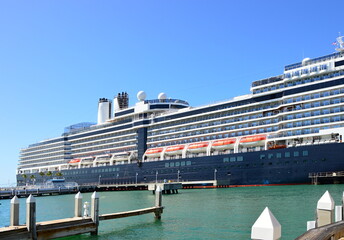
(326, 174)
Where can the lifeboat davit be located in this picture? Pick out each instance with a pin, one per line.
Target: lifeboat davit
(256, 140)
(174, 150)
(198, 147)
(87, 160)
(154, 152)
(76, 160)
(227, 143)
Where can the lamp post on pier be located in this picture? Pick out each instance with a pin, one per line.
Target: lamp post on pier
(156, 177)
(136, 178)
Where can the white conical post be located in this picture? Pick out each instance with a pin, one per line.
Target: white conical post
(14, 218)
(266, 227)
(95, 211)
(325, 210)
(31, 216)
(78, 205)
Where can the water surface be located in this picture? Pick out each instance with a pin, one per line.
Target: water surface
(225, 213)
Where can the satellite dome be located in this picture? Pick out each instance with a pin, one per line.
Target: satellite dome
(162, 96)
(141, 95)
(305, 60)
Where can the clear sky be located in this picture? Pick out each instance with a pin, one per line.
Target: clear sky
(57, 58)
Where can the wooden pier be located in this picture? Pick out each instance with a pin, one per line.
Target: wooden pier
(69, 226)
(167, 187)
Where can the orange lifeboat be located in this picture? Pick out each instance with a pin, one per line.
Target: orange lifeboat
(226, 143)
(198, 147)
(76, 160)
(154, 152)
(174, 150)
(255, 140)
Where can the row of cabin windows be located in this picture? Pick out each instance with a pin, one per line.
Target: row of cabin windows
(260, 164)
(314, 121)
(105, 136)
(298, 82)
(256, 123)
(105, 152)
(314, 95)
(309, 130)
(104, 147)
(114, 140)
(205, 117)
(58, 152)
(286, 154)
(44, 147)
(178, 164)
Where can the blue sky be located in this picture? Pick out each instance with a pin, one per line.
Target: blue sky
(58, 57)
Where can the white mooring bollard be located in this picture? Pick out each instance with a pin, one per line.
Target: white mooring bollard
(325, 210)
(78, 205)
(31, 216)
(14, 216)
(95, 211)
(266, 227)
(338, 213)
(310, 225)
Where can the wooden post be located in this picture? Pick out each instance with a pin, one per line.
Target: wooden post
(95, 211)
(78, 205)
(31, 217)
(14, 218)
(266, 227)
(325, 210)
(158, 202)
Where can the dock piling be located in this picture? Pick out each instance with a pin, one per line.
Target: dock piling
(14, 218)
(95, 211)
(78, 205)
(325, 210)
(158, 201)
(31, 217)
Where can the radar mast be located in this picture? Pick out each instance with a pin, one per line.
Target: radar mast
(340, 43)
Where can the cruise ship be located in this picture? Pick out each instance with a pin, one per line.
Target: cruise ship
(288, 127)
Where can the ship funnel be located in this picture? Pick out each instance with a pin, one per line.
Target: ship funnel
(120, 102)
(104, 110)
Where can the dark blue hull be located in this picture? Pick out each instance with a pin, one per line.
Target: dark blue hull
(278, 166)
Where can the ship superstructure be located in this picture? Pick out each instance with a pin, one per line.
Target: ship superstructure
(302, 107)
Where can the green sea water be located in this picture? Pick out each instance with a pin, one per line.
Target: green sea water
(225, 213)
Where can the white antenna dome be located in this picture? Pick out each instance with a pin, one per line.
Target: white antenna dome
(162, 96)
(141, 96)
(305, 60)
